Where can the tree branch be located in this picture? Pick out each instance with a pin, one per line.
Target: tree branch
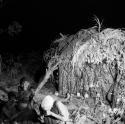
(49, 72)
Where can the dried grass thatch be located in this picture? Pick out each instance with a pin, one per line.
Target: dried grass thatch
(105, 44)
(87, 46)
(89, 63)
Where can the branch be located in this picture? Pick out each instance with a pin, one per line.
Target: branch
(49, 72)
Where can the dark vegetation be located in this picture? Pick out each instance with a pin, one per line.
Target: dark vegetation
(13, 72)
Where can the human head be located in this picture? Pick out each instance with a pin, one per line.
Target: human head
(26, 85)
(47, 103)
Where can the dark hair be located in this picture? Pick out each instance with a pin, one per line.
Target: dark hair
(11, 95)
(22, 80)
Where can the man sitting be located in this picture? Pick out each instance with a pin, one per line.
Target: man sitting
(54, 111)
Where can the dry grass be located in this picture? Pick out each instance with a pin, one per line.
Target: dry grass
(102, 44)
(91, 51)
(99, 24)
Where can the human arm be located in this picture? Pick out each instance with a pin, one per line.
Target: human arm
(63, 111)
(56, 116)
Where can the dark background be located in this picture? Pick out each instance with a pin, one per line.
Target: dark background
(43, 21)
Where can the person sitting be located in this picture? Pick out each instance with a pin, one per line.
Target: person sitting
(24, 85)
(54, 111)
(24, 94)
(9, 109)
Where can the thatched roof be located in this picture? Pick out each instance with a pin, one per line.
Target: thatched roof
(108, 44)
(63, 48)
(90, 52)
(87, 46)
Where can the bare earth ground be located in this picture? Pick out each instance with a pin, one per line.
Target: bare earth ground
(84, 111)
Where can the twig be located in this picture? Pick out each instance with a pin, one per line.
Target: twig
(49, 72)
(98, 22)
